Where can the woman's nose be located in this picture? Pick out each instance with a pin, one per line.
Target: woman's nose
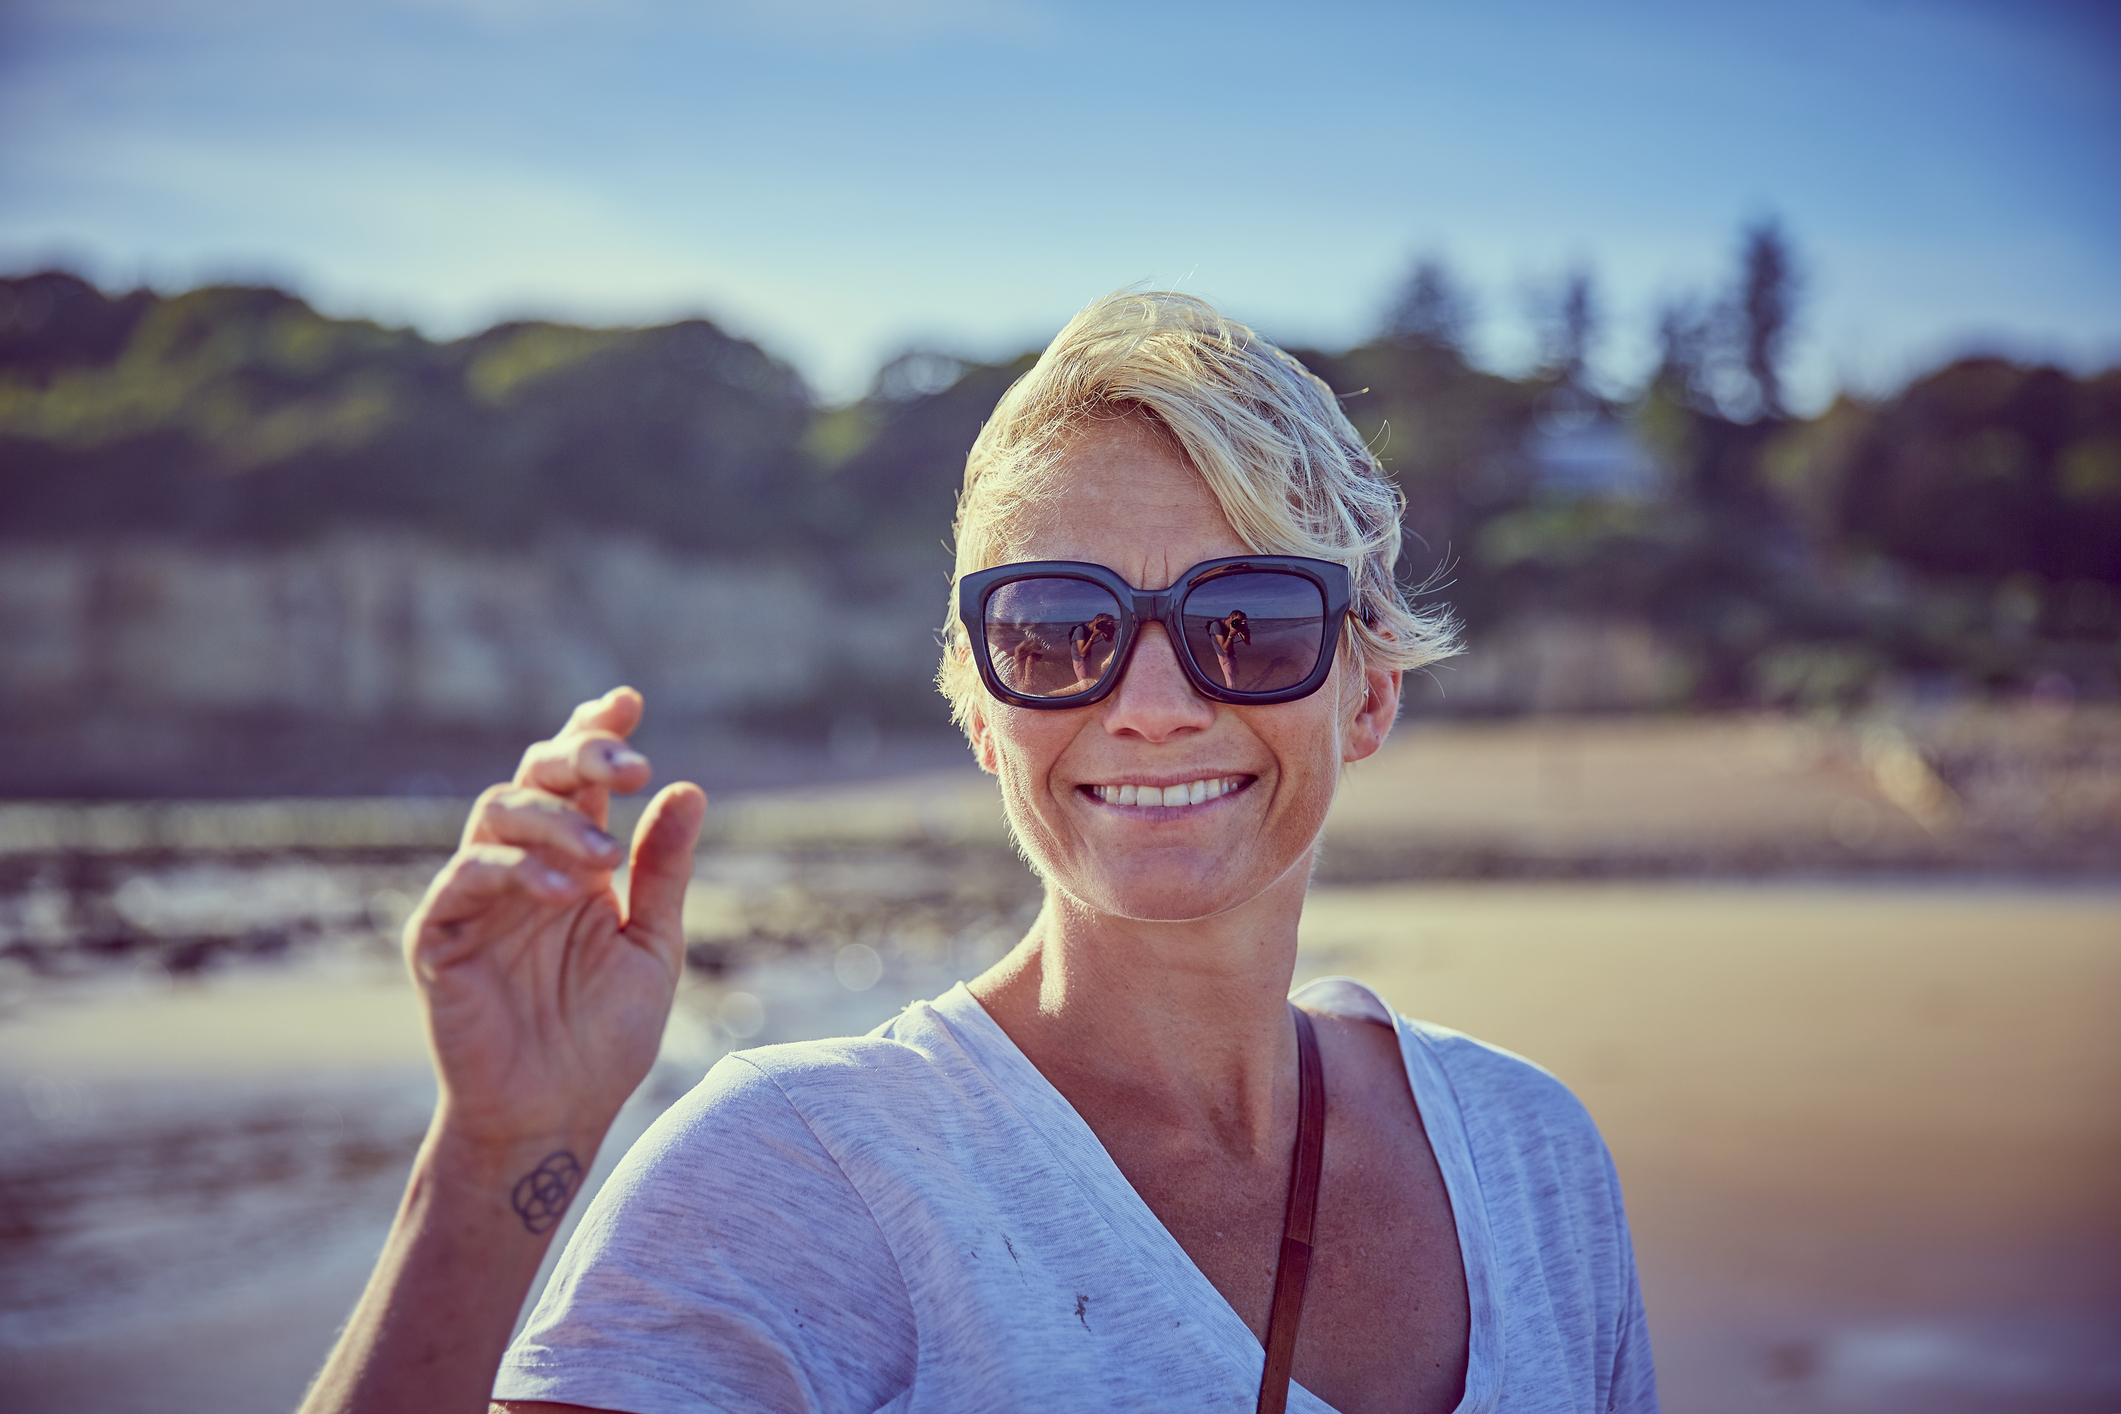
(1154, 700)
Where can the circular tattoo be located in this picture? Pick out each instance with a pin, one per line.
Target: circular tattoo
(542, 1195)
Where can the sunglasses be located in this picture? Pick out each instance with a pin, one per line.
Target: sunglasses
(1247, 629)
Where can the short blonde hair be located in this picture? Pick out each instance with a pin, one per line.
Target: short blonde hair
(1265, 434)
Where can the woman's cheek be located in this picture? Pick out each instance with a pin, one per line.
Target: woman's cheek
(1030, 804)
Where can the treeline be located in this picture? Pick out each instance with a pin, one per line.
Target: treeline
(242, 414)
(1967, 529)
(1962, 533)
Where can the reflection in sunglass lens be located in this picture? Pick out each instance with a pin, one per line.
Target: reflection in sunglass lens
(1256, 631)
(1051, 637)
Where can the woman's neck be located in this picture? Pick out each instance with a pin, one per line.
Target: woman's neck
(1173, 1023)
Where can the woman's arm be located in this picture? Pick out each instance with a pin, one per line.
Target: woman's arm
(430, 1330)
(545, 1002)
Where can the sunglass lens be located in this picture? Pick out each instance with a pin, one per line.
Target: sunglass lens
(1051, 637)
(1256, 631)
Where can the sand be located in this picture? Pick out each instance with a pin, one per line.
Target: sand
(1848, 1120)
(1869, 1136)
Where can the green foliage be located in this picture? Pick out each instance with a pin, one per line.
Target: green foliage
(1969, 526)
(523, 353)
(243, 414)
(1988, 468)
(897, 458)
(1450, 434)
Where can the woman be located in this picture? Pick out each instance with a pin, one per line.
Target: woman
(1091, 1178)
(1227, 632)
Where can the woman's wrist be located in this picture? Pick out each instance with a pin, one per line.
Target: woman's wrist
(534, 1177)
(479, 1213)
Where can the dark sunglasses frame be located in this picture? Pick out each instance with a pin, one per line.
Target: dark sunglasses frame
(1140, 606)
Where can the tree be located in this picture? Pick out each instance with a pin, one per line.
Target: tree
(1569, 329)
(1683, 354)
(1763, 307)
(1430, 310)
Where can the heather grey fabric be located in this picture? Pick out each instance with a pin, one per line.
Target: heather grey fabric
(917, 1220)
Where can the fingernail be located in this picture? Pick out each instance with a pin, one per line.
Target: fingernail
(625, 759)
(599, 841)
(555, 880)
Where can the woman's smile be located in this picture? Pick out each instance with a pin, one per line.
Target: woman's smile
(1166, 799)
(1156, 803)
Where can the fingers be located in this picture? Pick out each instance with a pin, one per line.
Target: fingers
(481, 876)
(662, 867)
(546, 825)
(576, 761)
(617, 711)
(589, 760)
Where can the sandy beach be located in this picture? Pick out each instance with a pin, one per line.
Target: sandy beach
(1861, 1101)
(1867, 1133)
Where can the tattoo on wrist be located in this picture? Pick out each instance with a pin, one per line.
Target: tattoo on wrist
(542, 1195)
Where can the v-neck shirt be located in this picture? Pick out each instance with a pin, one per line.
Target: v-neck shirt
(917, 1220)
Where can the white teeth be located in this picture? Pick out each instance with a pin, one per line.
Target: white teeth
(1170, 797)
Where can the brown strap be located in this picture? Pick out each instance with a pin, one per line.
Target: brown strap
(1295, 1266)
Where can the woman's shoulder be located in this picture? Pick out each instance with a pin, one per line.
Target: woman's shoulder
(1495, 1074)
(1509, 1102)
(906, 1077)
(730, 1246)
(1494, 1088)
(803, 1127)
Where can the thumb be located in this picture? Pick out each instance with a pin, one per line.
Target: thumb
(662, 867)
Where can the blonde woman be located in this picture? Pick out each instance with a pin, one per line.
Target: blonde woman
(1121, 1168)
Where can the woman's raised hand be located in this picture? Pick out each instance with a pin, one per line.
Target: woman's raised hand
(545, 994)
(545, 998)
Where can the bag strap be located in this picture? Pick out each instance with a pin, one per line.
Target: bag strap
(1296, 1228)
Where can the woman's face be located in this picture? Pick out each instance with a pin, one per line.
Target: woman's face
(1124, 498)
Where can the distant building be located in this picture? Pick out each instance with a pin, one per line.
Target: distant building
(1578, 446)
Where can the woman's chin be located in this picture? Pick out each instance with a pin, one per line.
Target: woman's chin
(1174, 891)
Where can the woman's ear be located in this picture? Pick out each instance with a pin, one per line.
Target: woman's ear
(1374, 715)
(982, 739)
(976, 731)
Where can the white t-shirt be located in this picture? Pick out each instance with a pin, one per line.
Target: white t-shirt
(916, 1220)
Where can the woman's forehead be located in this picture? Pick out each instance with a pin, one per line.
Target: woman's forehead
(1119, 496)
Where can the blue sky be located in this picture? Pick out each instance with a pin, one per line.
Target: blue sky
(842, 179)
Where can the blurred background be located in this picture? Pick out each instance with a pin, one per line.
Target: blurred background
(376, 382)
